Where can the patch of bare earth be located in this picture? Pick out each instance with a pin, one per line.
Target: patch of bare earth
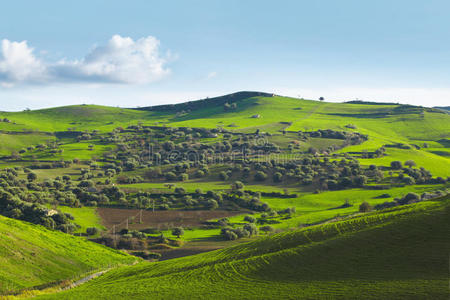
(158, 219)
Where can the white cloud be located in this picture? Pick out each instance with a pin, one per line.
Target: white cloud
(121, 60)
(20, 64)
(211, 75)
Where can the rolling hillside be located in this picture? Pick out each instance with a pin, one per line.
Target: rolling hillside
(398, 253)
(32, 256)
(403, 122)
(385, 124)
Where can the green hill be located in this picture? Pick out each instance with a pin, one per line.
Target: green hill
(385, 124)
(75, 117)
(32, 256)
(399, 253)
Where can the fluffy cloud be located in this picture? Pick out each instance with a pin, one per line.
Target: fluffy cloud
(20, 64)
(121, 60)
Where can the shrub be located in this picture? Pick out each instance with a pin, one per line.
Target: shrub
(360, 180)
(31, 177)
(199, 174)
(277, 177)
(230, 235)
(260, 176)
(171, 176)
(411, 197)
(250, 219)
(92, 231)
(212, 204)
(180, 190)
(184, 177)
(396, 165)
(251, 229)
(408, 180)
(153, 255)
(178, 231)
(266, 228)
(410, 163)
(237, 185)
(365, 207)
(223, 176)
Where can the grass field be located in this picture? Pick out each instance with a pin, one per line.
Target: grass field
(15, 142)
(84, 216)
(394, 254)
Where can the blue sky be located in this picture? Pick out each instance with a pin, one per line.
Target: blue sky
(139, 53)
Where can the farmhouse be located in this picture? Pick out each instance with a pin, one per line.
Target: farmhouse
(51, 212)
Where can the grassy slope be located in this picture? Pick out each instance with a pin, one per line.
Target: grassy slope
(15, 142)
(303, 114)
(77, 117)
(31, 255)
(84, 216)
(398, 254)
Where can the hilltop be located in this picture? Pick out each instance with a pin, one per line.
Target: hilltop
(208, 102)
(397, 253)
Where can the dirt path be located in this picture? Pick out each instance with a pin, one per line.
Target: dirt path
(84, 280)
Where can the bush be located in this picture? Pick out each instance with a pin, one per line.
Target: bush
(178, 231)
(410, 163)
(171, 176)
(92, 231)
(230, 235)
(180, 190)
(396, 165)
(251, 229)
(212, 204)
(266, 228)
(199, 174)
(250, 219)
(408, 180)
(260, 176)
(277, 177)
(31, 177)
(153, 255)
(411, 197)
(365, 207)
(360, 180)
(237, 185)
(223, 176)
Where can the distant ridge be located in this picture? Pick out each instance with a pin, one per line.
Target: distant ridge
(371, 102)
(204, 103)
(445, 108)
